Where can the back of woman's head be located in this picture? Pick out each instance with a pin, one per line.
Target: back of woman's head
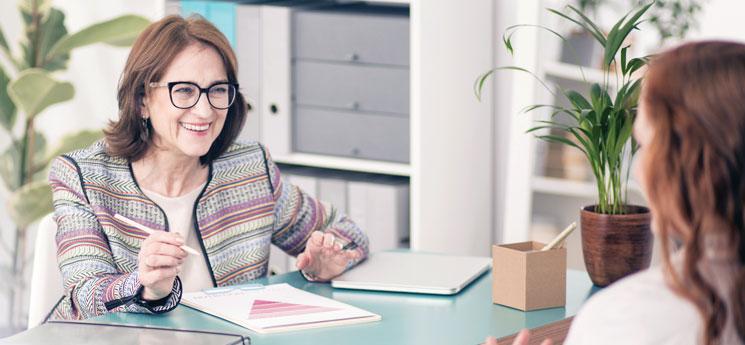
(148, 60)
(694, 100)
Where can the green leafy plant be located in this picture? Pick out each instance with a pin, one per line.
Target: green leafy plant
(31, 88)
(601, 125)
(673, 18)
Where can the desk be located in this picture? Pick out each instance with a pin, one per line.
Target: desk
(465, 318)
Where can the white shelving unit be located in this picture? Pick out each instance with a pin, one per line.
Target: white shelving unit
(540, 206)
(567, 71)
(343, 163)
(451, 133)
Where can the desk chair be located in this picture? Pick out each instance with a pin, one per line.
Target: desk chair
(46, 279)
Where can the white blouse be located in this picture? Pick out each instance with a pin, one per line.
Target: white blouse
(641, 309)
(179, 211)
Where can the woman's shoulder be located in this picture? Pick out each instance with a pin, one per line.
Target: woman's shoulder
(242, 150)
(96, 154)
(639, 309)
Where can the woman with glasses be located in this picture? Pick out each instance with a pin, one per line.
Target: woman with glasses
(690, 128)
(170, 163)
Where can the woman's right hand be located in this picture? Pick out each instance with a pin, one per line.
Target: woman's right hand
(159, 258)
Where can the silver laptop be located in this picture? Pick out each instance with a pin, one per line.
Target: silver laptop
(413, 272)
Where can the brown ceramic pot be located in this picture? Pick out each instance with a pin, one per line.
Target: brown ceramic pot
(615, 245)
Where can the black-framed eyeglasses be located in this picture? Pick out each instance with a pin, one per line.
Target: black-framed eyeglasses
(185, 94)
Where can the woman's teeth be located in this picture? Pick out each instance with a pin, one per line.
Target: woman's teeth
(195, 127)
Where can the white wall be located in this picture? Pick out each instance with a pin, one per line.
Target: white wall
(721, 19)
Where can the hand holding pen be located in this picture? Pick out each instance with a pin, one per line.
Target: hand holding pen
(324, 257)
(159, 258)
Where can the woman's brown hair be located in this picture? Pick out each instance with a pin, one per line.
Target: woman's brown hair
(694, 98)
(148, 60)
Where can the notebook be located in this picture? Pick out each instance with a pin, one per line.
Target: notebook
(414, 272)
(275, 308)
(89, 333)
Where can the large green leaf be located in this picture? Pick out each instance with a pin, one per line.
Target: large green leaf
(120, 31)
(9, 161)
(30, 203)
(35, 89)
(7, 107)
(4, 43)
(44, 27)
(52, 30)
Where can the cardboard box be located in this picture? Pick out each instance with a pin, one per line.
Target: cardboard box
(525, 278)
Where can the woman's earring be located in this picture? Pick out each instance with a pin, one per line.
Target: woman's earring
(145, 133)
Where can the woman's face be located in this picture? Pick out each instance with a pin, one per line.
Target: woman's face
(187, 132)
(643, 135)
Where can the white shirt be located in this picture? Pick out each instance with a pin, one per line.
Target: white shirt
(179, 211)
(642, 310)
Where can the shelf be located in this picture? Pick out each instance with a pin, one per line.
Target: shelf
(572, 72)
(343, 163)
(578, 189)
(558, 186)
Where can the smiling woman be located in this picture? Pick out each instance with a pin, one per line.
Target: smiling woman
(170, 162)
(173, 48)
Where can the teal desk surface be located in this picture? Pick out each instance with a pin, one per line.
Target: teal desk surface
(465, 318)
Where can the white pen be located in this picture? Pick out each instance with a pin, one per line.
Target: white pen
(150, 231)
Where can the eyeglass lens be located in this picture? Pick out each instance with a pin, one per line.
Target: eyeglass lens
(185, 95)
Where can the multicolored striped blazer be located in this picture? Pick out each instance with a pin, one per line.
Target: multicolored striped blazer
(244, 206)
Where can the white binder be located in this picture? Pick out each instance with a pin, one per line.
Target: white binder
(381, 208)
(275, 114)
(248, 43)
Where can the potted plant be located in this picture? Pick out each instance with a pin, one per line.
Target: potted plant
(28, 88)
(616, 236)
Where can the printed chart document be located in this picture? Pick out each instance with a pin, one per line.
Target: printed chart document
(275, 308)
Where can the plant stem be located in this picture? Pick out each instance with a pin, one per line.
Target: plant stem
(36, 44)
(31, 148)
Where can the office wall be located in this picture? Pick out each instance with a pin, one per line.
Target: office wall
(721, 19)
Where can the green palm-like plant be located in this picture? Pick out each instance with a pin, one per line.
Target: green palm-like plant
(28, 88)
(601, 125)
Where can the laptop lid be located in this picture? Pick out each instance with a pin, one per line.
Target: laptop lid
(413, 272)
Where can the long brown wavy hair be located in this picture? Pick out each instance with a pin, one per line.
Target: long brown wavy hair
(694, 98)
(148, 60)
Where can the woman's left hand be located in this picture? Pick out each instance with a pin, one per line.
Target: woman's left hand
(323, 257)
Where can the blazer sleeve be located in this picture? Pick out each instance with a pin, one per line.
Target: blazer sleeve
(93, 284)
(298, 215)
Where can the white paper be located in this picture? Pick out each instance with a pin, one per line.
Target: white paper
(276, 308)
